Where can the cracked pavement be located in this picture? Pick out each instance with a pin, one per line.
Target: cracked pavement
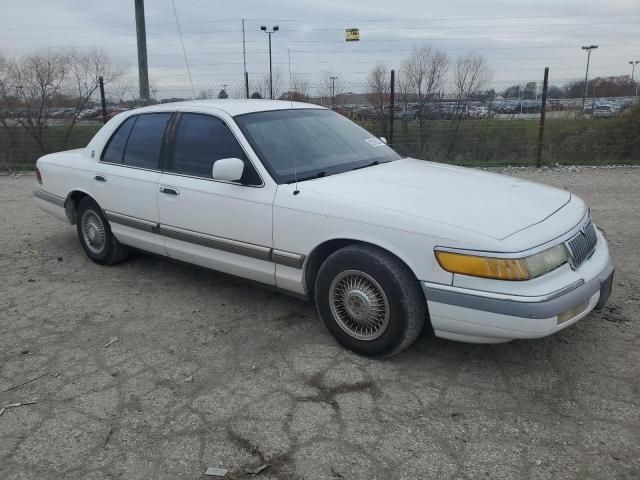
(214, 371)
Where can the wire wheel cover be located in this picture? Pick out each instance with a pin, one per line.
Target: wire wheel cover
(93, 232)
(359, 305)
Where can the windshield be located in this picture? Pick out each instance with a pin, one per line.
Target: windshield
(310, 142)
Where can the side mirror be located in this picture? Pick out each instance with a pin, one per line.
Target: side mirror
(384, 140)
(228, 169)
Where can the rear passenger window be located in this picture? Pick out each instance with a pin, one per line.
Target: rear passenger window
(115, 149)
(200, 141)
(145, 140)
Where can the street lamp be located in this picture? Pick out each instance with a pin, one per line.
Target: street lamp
(633, 71)
(273, 30)
(333, 79)
(588, 48)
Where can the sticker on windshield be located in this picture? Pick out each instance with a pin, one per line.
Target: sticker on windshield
(374, 142)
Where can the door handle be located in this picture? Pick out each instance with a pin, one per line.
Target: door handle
(169, 190)
(100, 178)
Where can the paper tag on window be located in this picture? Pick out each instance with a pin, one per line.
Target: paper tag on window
(374, 142)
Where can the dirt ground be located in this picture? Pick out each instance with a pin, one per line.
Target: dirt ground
(212, 371)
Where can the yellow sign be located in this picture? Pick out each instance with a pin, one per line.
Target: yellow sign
(353, 34)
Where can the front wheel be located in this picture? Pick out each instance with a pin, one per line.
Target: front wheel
(95, 234)
(370, 301)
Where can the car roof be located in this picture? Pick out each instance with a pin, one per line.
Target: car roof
(233, 107)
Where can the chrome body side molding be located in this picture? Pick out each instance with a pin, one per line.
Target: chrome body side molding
(218, 243)
(281, 257)
(48, 197)
(289, 259)
(132, 222)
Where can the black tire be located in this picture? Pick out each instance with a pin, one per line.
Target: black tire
(107, 251)
(407, 310)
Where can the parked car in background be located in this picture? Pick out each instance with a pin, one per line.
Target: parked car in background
(298, 197)
(405, 114)
(478, 112)
(603, 111)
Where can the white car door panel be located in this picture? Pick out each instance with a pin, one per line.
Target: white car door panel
(126, 180)
(129, 199)
(220, 225)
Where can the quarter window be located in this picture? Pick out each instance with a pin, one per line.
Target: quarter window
(200, 141)
(115, 149)
(145, 140)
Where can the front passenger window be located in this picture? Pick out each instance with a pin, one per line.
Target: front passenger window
(200, 141)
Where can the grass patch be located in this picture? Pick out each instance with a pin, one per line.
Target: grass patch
(515, 142)
(19, 150)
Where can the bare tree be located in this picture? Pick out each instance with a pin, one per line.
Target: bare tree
(28, 89)
(300, 84)
(237, 91)
(403, 89)
(299, 89)
(425, 72)
(122, 90)
(10, 140)
(262, 85)
(379, 89)
(84, 72)
(31, 86)
(471, 74)
(205, 93)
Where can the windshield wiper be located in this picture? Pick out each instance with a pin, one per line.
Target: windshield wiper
(308, 177)
(375, 162)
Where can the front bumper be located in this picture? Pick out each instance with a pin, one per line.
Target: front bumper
(476, 316)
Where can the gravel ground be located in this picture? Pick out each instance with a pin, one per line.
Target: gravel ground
(213, 371)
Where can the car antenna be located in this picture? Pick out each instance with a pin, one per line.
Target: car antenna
(293, 143)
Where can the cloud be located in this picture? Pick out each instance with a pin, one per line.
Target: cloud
(518, 38)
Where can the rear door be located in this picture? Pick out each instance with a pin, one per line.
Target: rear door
(127, 177)
(221, 225)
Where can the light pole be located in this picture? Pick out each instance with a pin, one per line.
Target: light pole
(333, 79)
(633, 64)
(273, 30)
(588, 48)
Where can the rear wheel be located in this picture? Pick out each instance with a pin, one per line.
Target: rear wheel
(370, 301)
(95, 235)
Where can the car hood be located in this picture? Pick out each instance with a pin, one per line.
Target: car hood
(489, 204)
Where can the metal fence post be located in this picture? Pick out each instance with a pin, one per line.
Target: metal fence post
(542, 112)
(102, 100)
(393, 105)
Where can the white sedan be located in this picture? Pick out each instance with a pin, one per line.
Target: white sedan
(298, 197)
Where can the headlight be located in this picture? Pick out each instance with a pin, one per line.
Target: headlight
(544, 262)
(503, 268)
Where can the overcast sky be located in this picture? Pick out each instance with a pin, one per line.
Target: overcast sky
(518, 38)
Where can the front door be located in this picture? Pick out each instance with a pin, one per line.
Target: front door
(225, 226)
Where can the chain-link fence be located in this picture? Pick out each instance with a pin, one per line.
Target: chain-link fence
(28, 131)
(496, 123)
